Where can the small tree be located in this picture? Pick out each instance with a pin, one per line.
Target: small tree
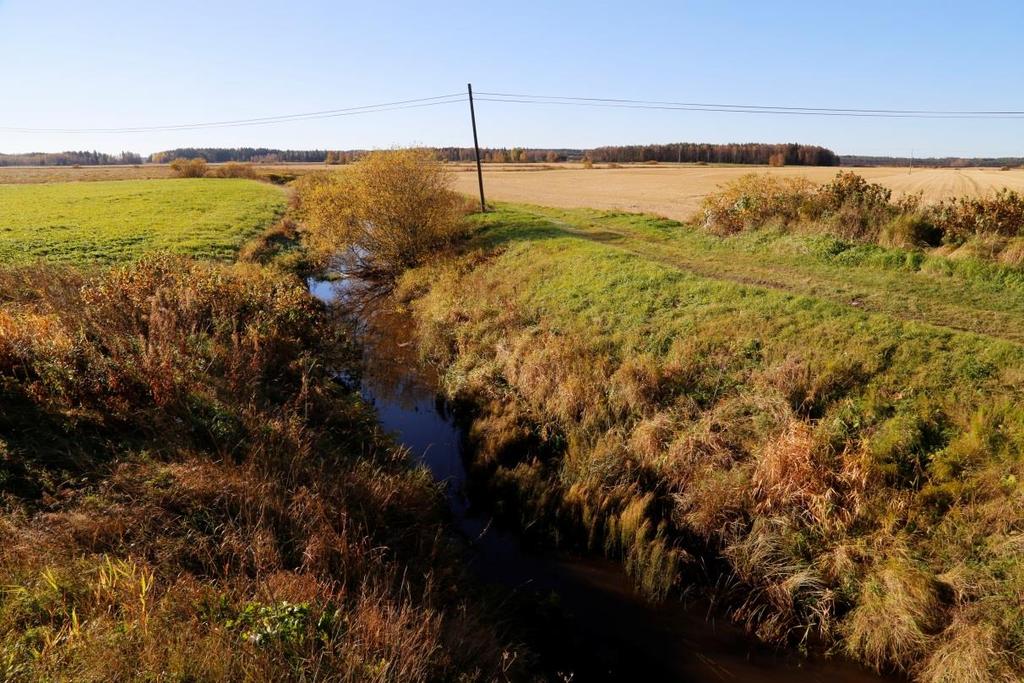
(385, 215)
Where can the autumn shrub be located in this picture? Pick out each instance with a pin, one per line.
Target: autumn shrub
(848, 207)
(756, 199)
(1001, 214)
(189, 168)
(386, 213)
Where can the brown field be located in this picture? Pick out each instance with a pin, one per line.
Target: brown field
(676, 191)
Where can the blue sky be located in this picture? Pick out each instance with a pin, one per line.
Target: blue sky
(130, 63)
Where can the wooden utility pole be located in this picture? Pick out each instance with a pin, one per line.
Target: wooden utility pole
(476, 149)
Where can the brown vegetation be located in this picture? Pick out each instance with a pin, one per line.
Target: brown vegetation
(849, 207)
(185, 494)
(189, 168)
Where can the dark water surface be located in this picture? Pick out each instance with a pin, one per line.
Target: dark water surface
(580, 614)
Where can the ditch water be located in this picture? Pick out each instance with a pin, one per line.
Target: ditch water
(579, 613)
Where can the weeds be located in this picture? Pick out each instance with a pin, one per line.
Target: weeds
(186, 493)
(851, 208)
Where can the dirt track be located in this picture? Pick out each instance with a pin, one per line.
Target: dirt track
(676, 191)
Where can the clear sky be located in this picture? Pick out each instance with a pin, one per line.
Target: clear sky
(116, 63)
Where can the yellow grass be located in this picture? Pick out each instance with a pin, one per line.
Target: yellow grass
(676, 191)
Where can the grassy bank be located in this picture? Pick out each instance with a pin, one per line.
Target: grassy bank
(837, 424)
(108, 222)
(186, 491)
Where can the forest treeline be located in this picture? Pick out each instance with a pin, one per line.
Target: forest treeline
(933, 162)
(791, 154)
(81, 158)
(216, 155)
(733, 153)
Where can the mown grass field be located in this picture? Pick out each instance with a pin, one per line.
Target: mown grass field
(106, 222)
(839, 422)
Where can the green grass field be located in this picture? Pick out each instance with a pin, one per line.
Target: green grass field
(106, 222)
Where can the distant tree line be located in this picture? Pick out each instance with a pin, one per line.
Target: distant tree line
(217, 155)
(732, 153)
(501, 155)
(933, 162)
(82, 158)
(689, 152)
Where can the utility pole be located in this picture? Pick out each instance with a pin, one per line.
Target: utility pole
(911, 162)
(476, 149)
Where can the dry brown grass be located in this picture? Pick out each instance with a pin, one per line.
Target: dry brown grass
(677, 191)
(187, 494)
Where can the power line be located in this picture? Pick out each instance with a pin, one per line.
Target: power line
(518, 98)
(283, 118)
(552, 100)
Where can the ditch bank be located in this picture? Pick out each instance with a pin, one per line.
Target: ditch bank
(579, 611)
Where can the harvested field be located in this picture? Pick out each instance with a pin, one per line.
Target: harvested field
(676, 191)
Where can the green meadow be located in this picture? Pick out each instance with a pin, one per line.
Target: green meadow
(109, 222)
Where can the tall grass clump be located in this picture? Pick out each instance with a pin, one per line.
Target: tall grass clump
(384, 214)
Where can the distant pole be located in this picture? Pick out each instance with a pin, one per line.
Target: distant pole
(476, 149)
(911, 162)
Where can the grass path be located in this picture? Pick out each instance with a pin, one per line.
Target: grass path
(962, 296)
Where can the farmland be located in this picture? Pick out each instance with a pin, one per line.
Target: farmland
(676, 191)
(112, 221)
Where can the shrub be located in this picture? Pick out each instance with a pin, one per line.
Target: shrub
(385, 215)
(189, 168)
(755, 199)
(853, 208)
(961, 218)
(235, 170)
